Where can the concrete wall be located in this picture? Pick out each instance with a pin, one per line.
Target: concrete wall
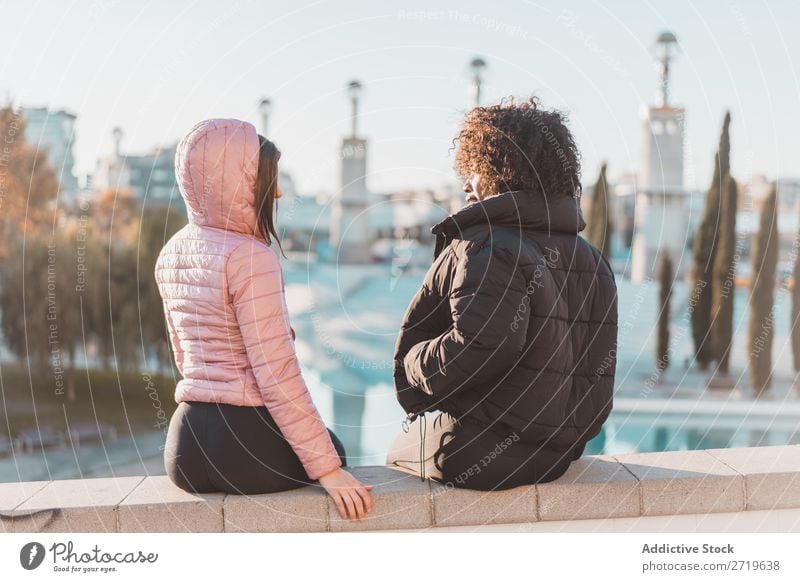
(752, 489)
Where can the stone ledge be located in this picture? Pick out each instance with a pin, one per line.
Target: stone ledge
(602, 487)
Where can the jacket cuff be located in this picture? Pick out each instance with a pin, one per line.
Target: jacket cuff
(412, 365)
(323, 465)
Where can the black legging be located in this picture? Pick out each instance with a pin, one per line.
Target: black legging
(234, 449)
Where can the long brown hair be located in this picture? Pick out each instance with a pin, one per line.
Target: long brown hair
(266, 188)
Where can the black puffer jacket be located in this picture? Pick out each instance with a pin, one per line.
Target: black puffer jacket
(515, 325)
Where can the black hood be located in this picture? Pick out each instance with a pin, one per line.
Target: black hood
(520, 209)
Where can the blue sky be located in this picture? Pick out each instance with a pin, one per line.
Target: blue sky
(155, 68)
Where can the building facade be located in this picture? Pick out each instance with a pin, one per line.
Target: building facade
(150, 176)
(54, 132)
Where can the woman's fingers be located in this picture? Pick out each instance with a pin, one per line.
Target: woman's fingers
(357, 503)
(348, 501)
(353, 500)
(366, 497)
(363, 495)
(337, 499)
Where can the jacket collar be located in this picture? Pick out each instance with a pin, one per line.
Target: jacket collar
(518, 209)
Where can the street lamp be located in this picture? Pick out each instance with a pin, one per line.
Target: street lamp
(354, 90)
(264, 108)
(117, 134)
(664, 47)
(477, 65)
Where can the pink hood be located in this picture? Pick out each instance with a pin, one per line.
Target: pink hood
(216, 165)
(223, 294)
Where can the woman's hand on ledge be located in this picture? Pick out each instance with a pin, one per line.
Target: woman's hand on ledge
(351, 497)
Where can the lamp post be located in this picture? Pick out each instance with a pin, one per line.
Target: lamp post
(264, 108)
(665, 44)
(477, 65)
(117, 134)
(354, 89)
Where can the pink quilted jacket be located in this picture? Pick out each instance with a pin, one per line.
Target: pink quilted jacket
(223, 294)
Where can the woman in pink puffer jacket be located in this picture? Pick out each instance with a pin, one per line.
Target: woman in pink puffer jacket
(245, 421)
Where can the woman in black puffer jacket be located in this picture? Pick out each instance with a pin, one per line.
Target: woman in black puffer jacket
(512, 336)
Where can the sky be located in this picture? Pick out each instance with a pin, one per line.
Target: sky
(156, 68)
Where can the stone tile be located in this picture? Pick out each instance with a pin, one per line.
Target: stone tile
(14, 494)
(779, 521)
(683, 482)
(771, 474)
(74, 505)
(593, 487)
(158, 505)
(399, 501)
(454, 506)
(299, 510)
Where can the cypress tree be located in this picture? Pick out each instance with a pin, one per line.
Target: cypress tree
(723, 277)
(703, 251)
(762, 287)
(665, 275)
(598, 229)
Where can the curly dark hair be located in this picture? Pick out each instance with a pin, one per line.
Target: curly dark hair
(519, 146)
